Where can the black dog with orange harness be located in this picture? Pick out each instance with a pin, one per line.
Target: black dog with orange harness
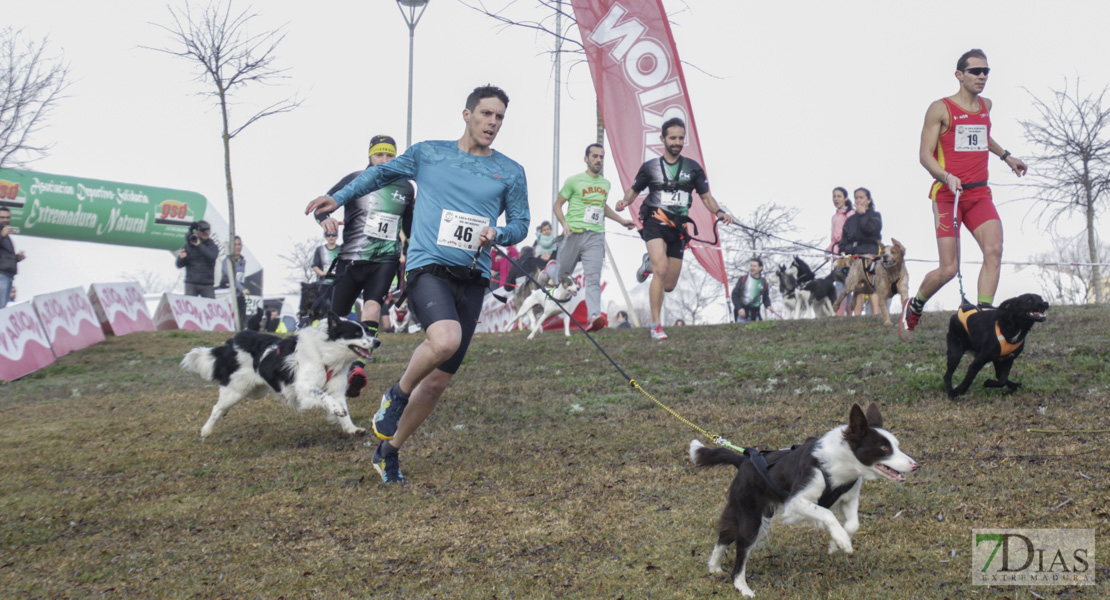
(993, 336)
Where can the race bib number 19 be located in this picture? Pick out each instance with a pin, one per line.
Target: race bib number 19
(460, 230)
(971, 138)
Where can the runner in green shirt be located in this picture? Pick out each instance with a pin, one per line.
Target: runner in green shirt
(584, 224)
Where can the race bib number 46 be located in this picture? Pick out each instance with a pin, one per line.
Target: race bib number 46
(971, 138)
(460, 230)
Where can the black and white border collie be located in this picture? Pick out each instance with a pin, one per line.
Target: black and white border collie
(809, 483)
(308, 370)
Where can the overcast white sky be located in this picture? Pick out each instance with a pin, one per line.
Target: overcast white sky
(791, 100)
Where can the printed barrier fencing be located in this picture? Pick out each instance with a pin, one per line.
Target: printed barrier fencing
(69, 320)
(120, 308)
(192, 312)
(24, 347)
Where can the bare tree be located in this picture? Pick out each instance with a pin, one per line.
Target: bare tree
(1070, 171)
(30, 84)
(298, 261)
(1064, 271)
(697, 290)
(766, 232)
(229, 58)
(151, 282)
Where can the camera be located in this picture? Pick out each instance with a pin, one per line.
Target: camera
(191, 237)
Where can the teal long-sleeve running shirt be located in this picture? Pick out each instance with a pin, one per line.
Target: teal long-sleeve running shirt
(457, 194)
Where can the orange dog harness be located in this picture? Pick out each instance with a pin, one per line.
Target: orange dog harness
(1006, 346)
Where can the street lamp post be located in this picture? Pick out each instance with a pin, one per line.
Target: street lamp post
(412, 17)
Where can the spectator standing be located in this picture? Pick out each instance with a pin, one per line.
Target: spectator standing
(8, 257)
(843, 209)
(750, 292)
(198, 258)
(325, 254)
(585, 195)
(239, 267)
(862, 233)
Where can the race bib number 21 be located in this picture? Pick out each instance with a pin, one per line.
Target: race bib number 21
(460, 230)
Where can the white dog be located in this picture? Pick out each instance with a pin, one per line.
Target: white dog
(538, 303)
(308, 370)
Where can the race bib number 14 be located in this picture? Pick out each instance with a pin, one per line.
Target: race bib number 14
(460, 230)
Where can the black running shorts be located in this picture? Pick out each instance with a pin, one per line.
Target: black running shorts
(433, 298)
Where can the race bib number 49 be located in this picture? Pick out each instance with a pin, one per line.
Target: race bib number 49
(460, 230)
(971, 138)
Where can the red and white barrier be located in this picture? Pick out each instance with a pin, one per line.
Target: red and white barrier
(24, 347)
(68, 319)
(193, 312)
(120, 308)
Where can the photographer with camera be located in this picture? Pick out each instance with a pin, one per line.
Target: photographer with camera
(198, 258)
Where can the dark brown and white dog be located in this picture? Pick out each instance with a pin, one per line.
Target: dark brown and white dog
(814, 482)
(992, 336)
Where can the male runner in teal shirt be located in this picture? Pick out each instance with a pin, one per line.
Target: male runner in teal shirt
(464, 186)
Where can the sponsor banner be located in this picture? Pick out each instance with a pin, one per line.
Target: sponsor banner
(24, 347)
(639, 85)
(120, 308)
(109, 212)
(69, 320)
(91, 210)
(195, 313)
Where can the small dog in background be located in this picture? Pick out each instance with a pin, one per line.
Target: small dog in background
(308, 370)
(813, 482)
(540, 307)
(992, 336)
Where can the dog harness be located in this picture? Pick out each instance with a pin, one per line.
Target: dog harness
(828, 497)
(1006, 346)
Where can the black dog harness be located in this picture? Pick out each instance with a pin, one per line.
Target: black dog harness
(828, 497)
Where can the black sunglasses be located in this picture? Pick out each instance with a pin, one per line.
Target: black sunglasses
(331, 235)
(977, 71)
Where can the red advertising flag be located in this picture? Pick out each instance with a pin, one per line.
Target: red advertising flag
(639, 84)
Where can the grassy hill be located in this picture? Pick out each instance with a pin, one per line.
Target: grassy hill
(542, 474)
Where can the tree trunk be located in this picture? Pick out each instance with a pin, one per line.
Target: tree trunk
(229, 244)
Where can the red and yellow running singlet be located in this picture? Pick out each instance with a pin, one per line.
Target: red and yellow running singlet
(962, 148)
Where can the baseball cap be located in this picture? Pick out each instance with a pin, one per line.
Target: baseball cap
(383, 143)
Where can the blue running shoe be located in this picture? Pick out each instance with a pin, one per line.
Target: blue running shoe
(387, 417)
(388, 465)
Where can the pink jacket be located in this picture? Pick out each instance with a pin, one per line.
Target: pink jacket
(838, 219)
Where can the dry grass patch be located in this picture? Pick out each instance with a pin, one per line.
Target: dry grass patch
(541, 474)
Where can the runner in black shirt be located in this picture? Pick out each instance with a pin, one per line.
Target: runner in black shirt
(671, 180)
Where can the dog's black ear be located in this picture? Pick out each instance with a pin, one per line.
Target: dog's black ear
(874, 419)
(333, 319)
(857, 422)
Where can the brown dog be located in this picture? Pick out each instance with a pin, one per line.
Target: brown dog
(890, 277)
